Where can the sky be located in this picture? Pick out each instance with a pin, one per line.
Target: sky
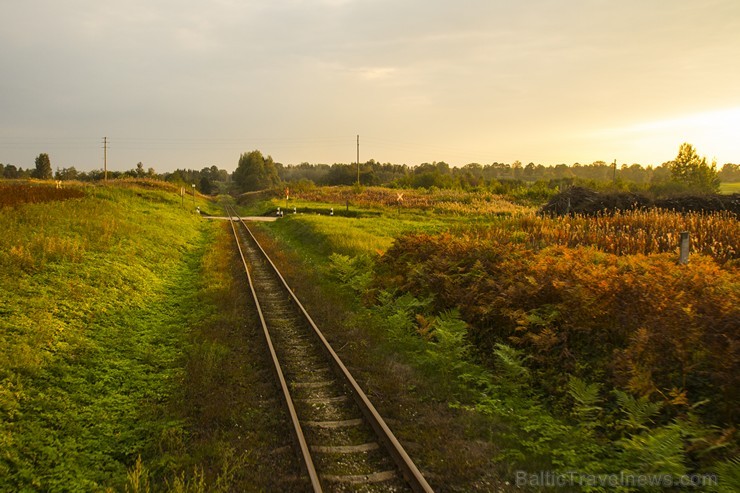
(189, 84)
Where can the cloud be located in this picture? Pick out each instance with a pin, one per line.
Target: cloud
(485, 73)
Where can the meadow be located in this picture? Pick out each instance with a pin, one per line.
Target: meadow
(729, 187)
(382, 220)
(445, 201)
(115, 317)
(581, 339)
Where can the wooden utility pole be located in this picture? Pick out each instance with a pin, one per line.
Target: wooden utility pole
(358, 159)
(615, 171)
(105, 158)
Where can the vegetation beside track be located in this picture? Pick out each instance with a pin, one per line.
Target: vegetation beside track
(92, 333)
(417, 328)
(237, 436)
(119, 338)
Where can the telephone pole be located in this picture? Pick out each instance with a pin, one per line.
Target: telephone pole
(615, 171)
(358, 159)
(105, 157)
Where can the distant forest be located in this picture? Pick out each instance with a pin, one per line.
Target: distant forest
(442, 175)
(500, 177)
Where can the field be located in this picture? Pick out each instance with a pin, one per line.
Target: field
(729, 187)
(522, 343)
(581, 338)
(375, 219)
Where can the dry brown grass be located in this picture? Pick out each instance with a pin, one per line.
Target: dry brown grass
(14, 194)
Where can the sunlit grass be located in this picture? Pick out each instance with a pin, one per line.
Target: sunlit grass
(373, 228)
(93, 296)
(322, 235)
(729, 188)
(454, 202)
(366, 221)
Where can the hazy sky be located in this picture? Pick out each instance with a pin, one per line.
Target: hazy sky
(188, 84)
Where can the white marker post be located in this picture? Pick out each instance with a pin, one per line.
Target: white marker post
(685, 243)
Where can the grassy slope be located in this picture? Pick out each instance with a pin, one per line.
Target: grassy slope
(729, 188)
(96, 294)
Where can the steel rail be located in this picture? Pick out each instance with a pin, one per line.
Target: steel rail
(297, 429)
(408, 469)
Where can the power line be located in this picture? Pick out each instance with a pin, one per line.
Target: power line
(326, 145)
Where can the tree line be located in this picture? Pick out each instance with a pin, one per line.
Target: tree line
(255, 171)
(207, 180)
(687, 172)
(688, 169)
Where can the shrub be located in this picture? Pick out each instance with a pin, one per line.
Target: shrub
(639, 323)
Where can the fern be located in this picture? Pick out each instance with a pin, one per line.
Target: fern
(450, 332)
(399, 313)
(638, 411)
(728, 473)
(355, 272)
(511, 361)
(585, 395)
(656, 451)
(341, 266)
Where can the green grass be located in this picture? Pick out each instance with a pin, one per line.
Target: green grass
(353, 236)
(351, 232)
(96, 295)
(728, 188)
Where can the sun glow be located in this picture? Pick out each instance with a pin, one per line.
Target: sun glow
(719, 121)
(715, 134)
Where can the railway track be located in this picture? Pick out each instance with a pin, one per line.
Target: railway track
(344, 444)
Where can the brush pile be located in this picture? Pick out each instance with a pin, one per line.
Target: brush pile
(584, 201)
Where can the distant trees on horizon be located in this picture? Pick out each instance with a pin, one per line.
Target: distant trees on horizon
(255, 171)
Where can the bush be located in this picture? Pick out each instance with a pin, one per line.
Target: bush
(584, 201)
(639, 323)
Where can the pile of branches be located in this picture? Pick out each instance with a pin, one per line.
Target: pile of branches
(701, 203)
(580, 200)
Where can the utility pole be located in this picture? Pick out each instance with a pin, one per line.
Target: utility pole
(358, 159)
(105, 157)
(615, 171)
